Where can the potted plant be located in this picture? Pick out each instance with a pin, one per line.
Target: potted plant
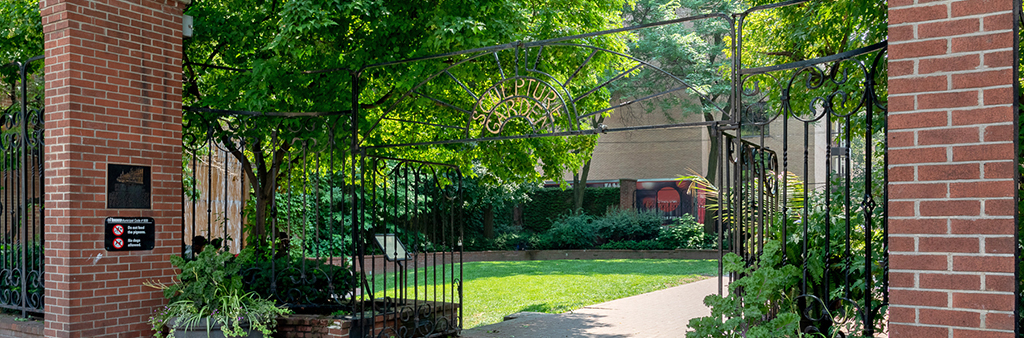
(209, 301)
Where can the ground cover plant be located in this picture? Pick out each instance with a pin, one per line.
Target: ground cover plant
(780, 292)
(495, 289)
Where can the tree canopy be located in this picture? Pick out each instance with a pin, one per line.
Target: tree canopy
(300, 56)
(303, 55)
(812, 29)
(21, 38)
(297, 55)
(21, 30)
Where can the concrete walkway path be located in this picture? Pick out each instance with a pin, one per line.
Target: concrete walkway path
(658, 314)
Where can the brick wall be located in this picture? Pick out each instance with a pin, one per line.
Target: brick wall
(13, 327)
(952, 167)
(113, 95)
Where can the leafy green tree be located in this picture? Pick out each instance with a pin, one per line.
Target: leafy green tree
(21, 38)
(485, 192)
(694, 52)
(812, 29)
(21, 30)
(298, 55)
(699, 53)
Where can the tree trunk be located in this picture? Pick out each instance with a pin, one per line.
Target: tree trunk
(265, 194)
(489, 222)
(517, 215)
(579, 180)
(713, 156)
(263, 178)
(579, 187)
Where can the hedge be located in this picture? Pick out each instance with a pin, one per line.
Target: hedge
(547, 205)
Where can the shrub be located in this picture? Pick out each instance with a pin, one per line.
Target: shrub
(760, 304)
(570, 232)
(627, 225)
(210, 287)
(547, 205)
(301, 284)
(477, 243)
(686, 233)
(511, 241)
(800, 280)
(649, 244)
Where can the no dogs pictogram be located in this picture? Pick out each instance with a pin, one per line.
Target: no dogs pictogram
(118, 243)
(118, 230)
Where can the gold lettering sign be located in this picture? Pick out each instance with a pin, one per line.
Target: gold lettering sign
(518, 101)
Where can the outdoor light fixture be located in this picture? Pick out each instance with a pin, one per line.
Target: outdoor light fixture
(186, 29)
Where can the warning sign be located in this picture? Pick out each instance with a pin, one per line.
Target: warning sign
(129, 233)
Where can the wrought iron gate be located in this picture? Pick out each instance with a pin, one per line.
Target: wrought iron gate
(829, 224)
(373, 239)
(21, 189)
(411, 218)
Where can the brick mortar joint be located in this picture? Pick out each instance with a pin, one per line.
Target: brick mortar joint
(942, 91)
(950, 37)
(947, 128)
(948, 19)
(964, 273)
(951, 91)
(958, 199)
(960, 236)
(970, 328)
(995, 180)
(978, 311)
(934, 164)
(940, 110)
(951, 54)
(979, 69)
(947, 272)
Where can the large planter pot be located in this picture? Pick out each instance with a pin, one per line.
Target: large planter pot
(200, 330)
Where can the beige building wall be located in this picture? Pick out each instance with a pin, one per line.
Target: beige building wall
(670, 152)
(649, 153)
(794, 148)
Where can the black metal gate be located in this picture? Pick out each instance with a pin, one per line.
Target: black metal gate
(411, 248)
(323, 229)
(21, 188)
(828, 221)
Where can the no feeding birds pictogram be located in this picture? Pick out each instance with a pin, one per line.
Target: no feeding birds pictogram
(118, 230)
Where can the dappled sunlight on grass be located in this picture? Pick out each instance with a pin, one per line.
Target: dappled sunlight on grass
(495, 289)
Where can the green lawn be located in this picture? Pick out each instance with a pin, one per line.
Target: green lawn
(495, 289)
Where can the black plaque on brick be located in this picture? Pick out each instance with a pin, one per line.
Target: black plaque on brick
(128, 187)
(129, 233)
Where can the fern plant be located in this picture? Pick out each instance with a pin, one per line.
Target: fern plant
(209, 294)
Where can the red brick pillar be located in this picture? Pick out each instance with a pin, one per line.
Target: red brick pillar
(113, 96)
(951, 168)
